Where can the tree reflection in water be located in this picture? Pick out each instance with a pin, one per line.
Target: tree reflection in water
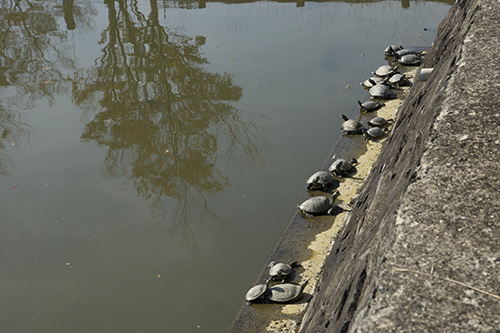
(33, 64)
(162, 117)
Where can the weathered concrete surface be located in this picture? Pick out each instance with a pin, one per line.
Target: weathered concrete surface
(428, 217)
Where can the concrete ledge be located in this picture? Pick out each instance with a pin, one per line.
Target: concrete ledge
(421, 250)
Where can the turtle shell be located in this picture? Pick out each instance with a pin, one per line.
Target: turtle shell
(340, 167)
(374, 133)
(316, 205)
(391, 49)
(281, 270)
(350, 126)
(378, 122)
(370, 82)
(385, 70)
(256, 291)
(286, 292)
(399, 80)
(382, 91)
(410, 60)
(320, 177)
(399, 53)
(370, 106)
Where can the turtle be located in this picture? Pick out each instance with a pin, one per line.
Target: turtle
(410, 60)
(318, 205)
(374, 133)
(399, 80)
(382, 91)
(370, 106)
(350, 126)
(286, 292)
(391, 49)
(256, 291)
(385, 70)
(319, 181)
(371, 81)
(398, 54)
(280, 270)
(342, 168)
(379, 122)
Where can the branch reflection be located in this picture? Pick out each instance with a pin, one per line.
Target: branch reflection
(163, 118)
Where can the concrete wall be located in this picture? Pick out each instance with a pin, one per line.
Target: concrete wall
(421, 250)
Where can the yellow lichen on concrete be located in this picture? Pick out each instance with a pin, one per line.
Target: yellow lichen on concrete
(349, 188)
(282, 326)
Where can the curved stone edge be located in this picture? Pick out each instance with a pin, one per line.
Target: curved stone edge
(421, 248)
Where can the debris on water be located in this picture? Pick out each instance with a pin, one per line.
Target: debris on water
(14, 187)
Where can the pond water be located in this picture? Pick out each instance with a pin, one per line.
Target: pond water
(152, 153)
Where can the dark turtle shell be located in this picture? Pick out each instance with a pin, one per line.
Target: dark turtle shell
(350, 126)
(318, 205)
(281, 270)
(370, 106)
(399, 53)
(374, 133)
(385, 70)
(319, 181)
(286, 292)
(410, 60)
(391, 49)
(370, 82)
(382, 91)
(341, 168)
(379, 122)
(256, 291)
(399, 80)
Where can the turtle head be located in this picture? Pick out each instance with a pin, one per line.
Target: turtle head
(343, 116)
(304, 284)
(335, 195)
(359, 103)
(365, 133)
(272, 263)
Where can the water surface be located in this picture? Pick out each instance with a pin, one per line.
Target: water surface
(152, 153)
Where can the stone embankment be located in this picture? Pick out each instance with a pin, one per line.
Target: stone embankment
(421, 248)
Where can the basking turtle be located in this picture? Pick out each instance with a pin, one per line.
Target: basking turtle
(256, 291)
(385, 70)
(399, 80)
(319, 181)
(410, 60)
(280, 270)
(379, 122)
(370, 82)
(374, 133)
(342, 168)
(399, 53)
(382, 91)
(286, 292)
(350, 126)
(318, 205)
(391, 49)
(370, 106)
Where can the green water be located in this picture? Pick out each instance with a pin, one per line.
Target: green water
(152, 153)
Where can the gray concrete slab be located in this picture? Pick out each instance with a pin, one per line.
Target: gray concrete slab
(421, 250)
